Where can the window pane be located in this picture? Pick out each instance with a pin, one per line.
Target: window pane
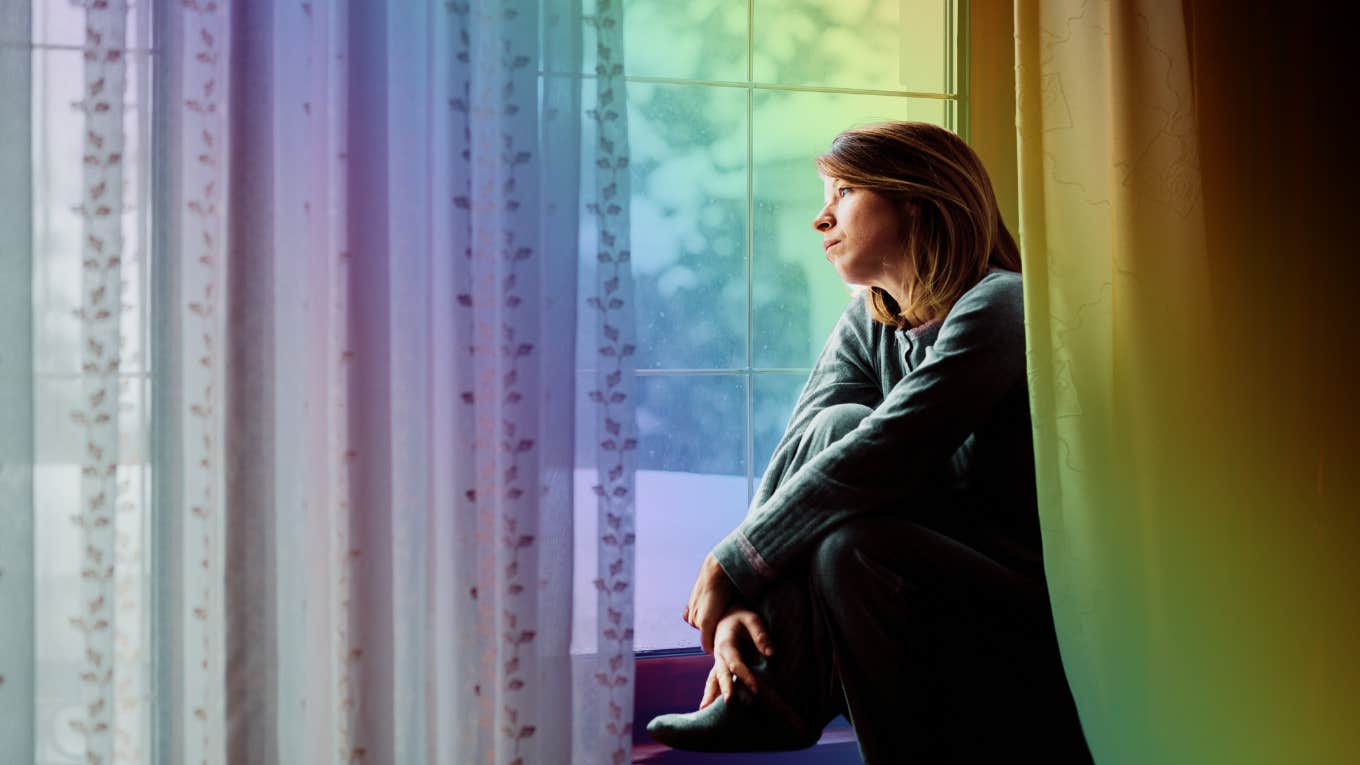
(691, 491)
(692, 423)
(772, 400)
(688, 163)
(694, 40)
(685, 515)
(689, 223)
(798, 295)
(868, 44)
(938, 111)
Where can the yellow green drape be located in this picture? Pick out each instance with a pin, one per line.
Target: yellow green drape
(1197, 495)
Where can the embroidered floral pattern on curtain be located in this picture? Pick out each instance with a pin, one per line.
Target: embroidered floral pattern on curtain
(613, 391)
(202, 159)
(370, 271)
(496, 224)
(113, 680)
(427, 553)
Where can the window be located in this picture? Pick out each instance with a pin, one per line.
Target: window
(728, 104)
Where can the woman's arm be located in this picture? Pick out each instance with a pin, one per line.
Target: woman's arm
(978, 356)
(843, 373)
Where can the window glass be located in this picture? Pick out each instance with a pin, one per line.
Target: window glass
(866, 44)
(734, 298)
(687, 146)
(691, 485)
(694, 40)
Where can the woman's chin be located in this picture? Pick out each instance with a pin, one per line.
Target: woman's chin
(840, 270)
(851, 280)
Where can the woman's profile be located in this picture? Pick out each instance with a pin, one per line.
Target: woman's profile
(890, 566)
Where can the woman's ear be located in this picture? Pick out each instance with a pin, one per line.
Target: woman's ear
(907, 219)
(908, 207)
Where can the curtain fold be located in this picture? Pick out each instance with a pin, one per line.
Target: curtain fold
(351, 527)
(610, 348)
(197, 241)
(423, 374)
(1194, 608)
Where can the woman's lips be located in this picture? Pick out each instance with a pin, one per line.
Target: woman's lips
(827, 245)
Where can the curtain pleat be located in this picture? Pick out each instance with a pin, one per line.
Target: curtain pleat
(202, 356)
(400, 586)
(1192, 606)
(1112, 235)
(112, 680)
(612, 390)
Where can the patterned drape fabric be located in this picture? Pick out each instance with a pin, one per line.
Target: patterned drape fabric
(611, 394)
(1111, 232)
(1189, 601)
(199, 255)
(349, 532)
(75, 677)
(107, 613)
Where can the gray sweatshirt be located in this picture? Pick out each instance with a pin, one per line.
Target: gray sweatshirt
(948, 444)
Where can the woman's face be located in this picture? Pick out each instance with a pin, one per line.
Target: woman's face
(861, 232)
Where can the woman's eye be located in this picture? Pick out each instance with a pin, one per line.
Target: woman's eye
(841, 191)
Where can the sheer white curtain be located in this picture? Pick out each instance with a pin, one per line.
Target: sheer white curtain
(76, 664)
(346, 532)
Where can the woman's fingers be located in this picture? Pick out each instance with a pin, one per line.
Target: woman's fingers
(724, 677)
(760, 636)
(732, 658)
(711, 689)
(690, 605)
(727, 644)
(708, 601)
(694, 606)
(708, 624)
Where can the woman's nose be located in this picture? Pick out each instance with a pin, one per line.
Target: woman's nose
(822, 222)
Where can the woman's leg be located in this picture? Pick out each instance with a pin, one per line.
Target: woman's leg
(934, 650)
(799, 692)
(944, 654)
(800, 677)
(802, 673)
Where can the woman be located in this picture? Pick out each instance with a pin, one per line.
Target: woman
(890, 568)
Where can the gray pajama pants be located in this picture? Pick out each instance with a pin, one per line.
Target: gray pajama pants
(935, 652)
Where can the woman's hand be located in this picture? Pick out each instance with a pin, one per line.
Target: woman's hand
(708, 600)
(738, 624)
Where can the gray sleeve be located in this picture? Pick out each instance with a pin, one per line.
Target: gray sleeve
(978, 355)
(844, 372)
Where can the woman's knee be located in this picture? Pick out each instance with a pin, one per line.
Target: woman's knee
(847, 560)
(833, 422)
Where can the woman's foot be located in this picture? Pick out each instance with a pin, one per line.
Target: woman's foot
(746, 723)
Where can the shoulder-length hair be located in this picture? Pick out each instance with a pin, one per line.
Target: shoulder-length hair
(953, 229)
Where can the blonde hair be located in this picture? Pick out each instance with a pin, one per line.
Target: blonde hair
(953, 229)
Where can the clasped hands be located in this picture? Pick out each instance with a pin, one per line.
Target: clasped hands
(722, 625)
